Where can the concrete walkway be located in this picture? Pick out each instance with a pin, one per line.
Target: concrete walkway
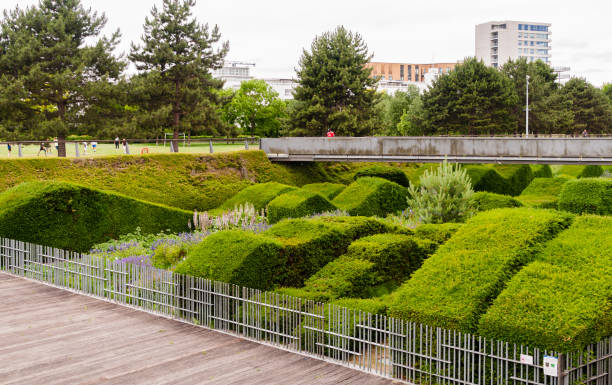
(51, 336)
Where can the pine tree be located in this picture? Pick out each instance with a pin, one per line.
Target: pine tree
(335, 91)
(48, 49)
(592, 111)
(472, 99)
(176, 58)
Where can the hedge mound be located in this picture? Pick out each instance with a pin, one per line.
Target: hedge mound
(457, 284)
(328, 190)
(587, 195)
(541, 171)
(543, 192)
(371, 196)
(372, 265)
(563, 301)
(500, 179)
(74, 217)
(297, 204)
(437, 232)
(591, 171)
(238, 257)
(386, 172)
(309, 244)
(488, 201)
(259, 195)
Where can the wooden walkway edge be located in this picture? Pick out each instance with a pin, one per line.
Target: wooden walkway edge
(52, 336)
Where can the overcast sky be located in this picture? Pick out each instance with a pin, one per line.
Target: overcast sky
(272, 33)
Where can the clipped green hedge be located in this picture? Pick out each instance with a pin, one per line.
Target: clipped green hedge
(437, 232)
(587, 195)
(297, 204)
(591, 171)
(309, 244)
(372, 265)
(488, 201)
(73, 217)
(508, 179)
(563, 301)
(386, 172)
(259, 195)
(370, 196)
(542, 192)
(238, 257)
(541, 171)
(328, 190)
(457, 284)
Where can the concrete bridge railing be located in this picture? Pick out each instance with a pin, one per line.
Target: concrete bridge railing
(436, 149)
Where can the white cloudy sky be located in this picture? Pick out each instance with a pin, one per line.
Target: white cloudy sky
(272, 33)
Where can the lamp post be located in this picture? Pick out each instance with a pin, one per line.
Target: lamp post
(527, 109)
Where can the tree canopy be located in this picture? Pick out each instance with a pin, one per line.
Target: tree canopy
(590, 107)
(176, 59)
(335, 91)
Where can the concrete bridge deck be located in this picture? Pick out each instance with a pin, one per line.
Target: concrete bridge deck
(436, 149)
(51, 336)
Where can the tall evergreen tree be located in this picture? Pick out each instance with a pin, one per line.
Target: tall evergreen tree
(335, 90)
(55, 51)
(592, 111)
(176, 58)
(472, 99)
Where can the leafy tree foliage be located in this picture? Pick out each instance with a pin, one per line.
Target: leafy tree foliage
(256, 108)
(52, 55)
(175, 61)
(335, 90)
(607, 90)
(393, 107)
(472, 99)
(589, 105)
(412, 122)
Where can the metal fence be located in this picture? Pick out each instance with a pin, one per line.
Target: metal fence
(393, 348)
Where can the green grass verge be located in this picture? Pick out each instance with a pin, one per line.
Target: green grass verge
(74, 217)
(297, 204)
(457, 284)
(563, 301)
(372, 196)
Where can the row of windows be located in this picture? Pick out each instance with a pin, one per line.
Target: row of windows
(532, 51)
(532, 58)
(532, 43)
(531, 27)
(532, 35)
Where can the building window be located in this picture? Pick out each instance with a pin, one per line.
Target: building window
(409, 72)
(401, 72)
(542, 43)
(390, 77)
(531, 51)
(542, 51)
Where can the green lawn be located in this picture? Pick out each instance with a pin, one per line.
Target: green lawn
(103, 149)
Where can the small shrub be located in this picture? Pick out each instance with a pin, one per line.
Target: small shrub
(488, 201)
(457, 284)
(444, 195)
(562, 300)
(328, 190)
(259, 195)
(587, 195)
(237, 257)
(386, 172)
(438, 233)
(591, 171)
(371, 196)
(297, 204)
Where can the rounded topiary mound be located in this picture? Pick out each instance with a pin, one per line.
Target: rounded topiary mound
(297, 204)
(370, 196)
(386, 172)
(591, 171)
(328, 190)
(587, 195)
(489, 201)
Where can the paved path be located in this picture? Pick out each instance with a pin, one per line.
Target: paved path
(51, 336)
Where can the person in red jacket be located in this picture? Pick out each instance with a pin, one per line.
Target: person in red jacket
(330, 134)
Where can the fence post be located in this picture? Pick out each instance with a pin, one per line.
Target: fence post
(19, 150)
(562, 373)
(246, 144)
(210, 146)
(127, 148)
(76, 149)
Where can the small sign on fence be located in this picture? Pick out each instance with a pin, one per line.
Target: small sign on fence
(551, 366)
(526, 359)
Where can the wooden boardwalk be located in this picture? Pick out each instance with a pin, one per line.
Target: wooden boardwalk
(51, 336)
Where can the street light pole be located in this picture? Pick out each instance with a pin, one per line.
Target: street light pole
(527, 109)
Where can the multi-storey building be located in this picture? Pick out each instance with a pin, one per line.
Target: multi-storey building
(407, 72)
(500, 41)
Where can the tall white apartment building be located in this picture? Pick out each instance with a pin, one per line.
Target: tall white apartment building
(500, 41)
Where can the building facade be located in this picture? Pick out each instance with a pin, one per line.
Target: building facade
(500, 41)
(405, 72)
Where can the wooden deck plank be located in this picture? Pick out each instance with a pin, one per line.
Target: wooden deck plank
(52, 336)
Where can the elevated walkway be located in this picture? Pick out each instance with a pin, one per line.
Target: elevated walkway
(436, 149)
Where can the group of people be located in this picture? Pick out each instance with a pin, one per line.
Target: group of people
(124, 144)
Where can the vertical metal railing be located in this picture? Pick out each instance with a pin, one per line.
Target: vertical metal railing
(393, 348)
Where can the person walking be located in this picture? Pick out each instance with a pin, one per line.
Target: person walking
(124, 142)
(93, 146)
(42, 148)
(116, 143)
(8, 145)
(84, 148)
(585, 133)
